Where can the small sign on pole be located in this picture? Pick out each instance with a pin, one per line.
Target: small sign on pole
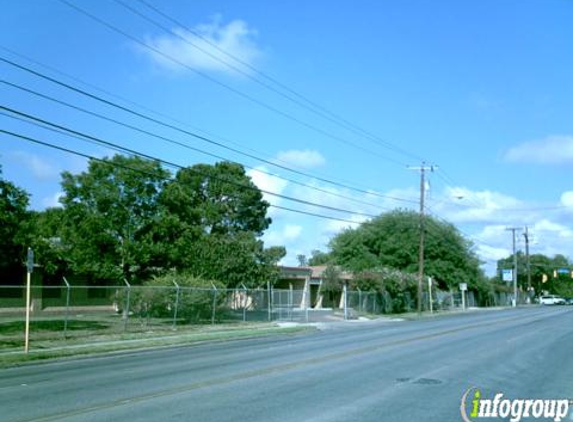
(463, 289)
(430, 294)
(30, 261)
(507, 274)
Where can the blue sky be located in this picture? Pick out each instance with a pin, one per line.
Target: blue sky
(481, 89)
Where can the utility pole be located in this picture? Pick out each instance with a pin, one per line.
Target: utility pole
(513, 230)
(526, 235)
(527, 263)
(422, 169)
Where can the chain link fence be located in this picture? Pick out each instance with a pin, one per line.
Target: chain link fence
(75, 312)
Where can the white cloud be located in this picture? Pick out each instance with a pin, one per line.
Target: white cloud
(235, 38)
(41, 168)
(553, 229)
(462, 205)
(333, 227)
(292, 231)
(302, 158)
(567, 199)
(289, 234)
(551, 150)
(53, 201)
(269, 183)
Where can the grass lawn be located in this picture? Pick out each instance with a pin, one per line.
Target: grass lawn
(89, 335)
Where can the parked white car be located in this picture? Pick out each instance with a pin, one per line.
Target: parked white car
(551, 300)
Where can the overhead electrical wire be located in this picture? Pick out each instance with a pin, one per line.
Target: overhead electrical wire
(292, 95)
(192, 134)
(174, 165)
(184, 145)
(472, 238)
(124, 99)
(91, 157)
(203, 132)
(226, 86)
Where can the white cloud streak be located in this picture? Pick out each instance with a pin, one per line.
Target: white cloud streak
(235, 38)
(551, 150)
(41, 168)
(53, 201)
(302, 158)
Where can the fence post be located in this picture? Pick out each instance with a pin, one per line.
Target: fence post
(127, 300)
(245, 302)
(178, 289)
(67, 308)
(269, 298)
(214, 303)
(344, 292)
(359, 299)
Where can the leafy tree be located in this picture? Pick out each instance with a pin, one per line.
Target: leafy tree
(220, 199)
(46, 239)
(13, 226)
(392, 241)
(213, 216)
(543, 273)
(109, 213)
(302, 261)
(318, 258)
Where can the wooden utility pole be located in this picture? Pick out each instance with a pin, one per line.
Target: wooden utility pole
(528, 261)
(528, 264)
(422, 169)
(513, 230)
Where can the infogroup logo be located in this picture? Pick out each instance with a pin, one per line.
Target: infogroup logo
(474, 407)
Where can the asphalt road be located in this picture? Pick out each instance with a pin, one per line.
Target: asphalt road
(372, 371)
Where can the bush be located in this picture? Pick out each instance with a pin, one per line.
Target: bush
(158, 297)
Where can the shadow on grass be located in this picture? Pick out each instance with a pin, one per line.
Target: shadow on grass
(15, 327)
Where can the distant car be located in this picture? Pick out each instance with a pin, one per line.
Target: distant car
(551, 300)
(569, 301)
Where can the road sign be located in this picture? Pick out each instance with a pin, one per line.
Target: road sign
(463, 287)
(507, 275)
(30, 261)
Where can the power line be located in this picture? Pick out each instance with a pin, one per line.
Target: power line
(205, 133)
(189, 133)
(467, 235)
(91, 157)
(225, 85)
(181, 144)
(171, 164)
(294, 97)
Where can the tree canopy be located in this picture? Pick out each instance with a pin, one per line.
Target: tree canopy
(109, 209)
(392, 240)
(128, 217)
(545, 273)
(13, 222)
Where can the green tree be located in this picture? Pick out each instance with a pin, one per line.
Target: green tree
(110, 211)
(392, 241)
(233, 260)
(318, 257)
(543, 273)
(220, 199)
(213, 216)
(45, 234)
(13, 226)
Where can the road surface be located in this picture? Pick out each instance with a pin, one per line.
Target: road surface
(371, 371)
